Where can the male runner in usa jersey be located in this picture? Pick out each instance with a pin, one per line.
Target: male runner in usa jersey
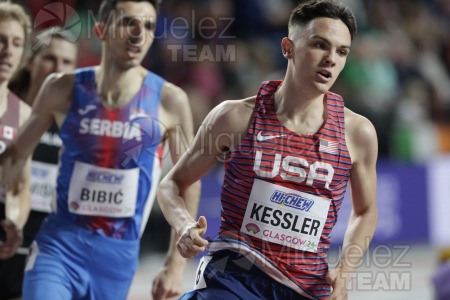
(112, 119)
(290, 152)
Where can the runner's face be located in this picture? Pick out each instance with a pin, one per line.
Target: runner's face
(320, 51)
(12, 40)
(59, 56)
(132, 31)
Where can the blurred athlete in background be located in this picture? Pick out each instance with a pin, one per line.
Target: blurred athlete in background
(15, 27)
(52, 50)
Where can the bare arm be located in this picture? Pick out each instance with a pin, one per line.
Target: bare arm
(180, 136)
(219, 133)
(17, 202)
(176, 117)
(363, 146)
(17, 206)
(53, 100)
(17, 209)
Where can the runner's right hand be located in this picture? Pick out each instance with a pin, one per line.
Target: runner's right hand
(191, 242)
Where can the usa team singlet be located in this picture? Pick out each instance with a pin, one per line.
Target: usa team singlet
(282, 192)
(111, 162)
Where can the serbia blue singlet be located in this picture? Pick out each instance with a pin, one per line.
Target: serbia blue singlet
(110, 168)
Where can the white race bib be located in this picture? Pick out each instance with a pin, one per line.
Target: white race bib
(43, 186)
(98, 191)
(200, 282)
(285, 216)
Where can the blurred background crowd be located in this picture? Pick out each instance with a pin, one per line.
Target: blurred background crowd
(398, 73)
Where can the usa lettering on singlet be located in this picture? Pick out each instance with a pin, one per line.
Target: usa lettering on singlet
(111, 160)
(281, 194)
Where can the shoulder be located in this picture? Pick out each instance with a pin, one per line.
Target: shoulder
(172, 96)
(174, 105)
(61, 81)
(361, 137)
(55, 95)
(230, 109)
(232, 115)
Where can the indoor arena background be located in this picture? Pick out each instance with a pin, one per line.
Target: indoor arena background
(397, 75)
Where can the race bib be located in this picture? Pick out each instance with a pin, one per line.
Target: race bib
(43, 186)
(97, 191)
(285, 216)
(199, 277)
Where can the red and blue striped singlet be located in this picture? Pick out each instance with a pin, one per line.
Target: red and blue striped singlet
(111, 159)
(282, 192)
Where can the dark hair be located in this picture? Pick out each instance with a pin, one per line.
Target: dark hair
(20, 83)
(310, 10)
(107, 6)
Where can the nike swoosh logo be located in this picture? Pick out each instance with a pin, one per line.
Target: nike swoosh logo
(87, 109)
(264, 137)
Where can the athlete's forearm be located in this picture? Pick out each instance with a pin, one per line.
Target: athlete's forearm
(17, 206)
(358, 236)
(178, 208)
(173, 258)
(30, 135)
(192, 197)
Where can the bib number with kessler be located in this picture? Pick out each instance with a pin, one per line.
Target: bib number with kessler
(285, 216)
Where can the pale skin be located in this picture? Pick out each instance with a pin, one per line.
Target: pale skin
(321, 47)
(119, 77)
(59, 56)
(17, 206)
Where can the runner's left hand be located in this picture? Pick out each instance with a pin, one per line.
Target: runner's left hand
(167, 283)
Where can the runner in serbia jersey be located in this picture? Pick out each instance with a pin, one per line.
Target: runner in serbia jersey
(105, 190)
(280, 197)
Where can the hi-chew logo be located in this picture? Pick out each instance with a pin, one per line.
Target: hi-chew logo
(292, 200)
(104, 177)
